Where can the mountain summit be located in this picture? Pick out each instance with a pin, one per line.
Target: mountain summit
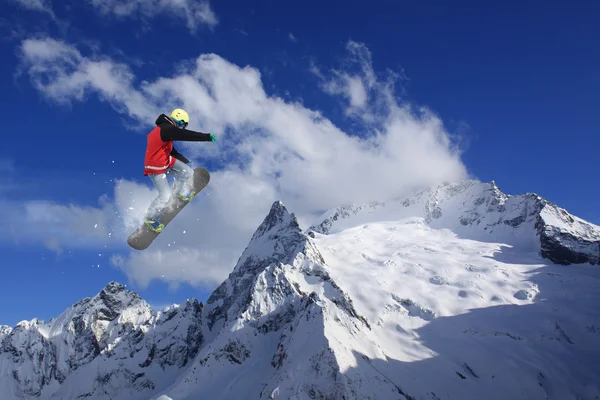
(458, 292)
(481, 211)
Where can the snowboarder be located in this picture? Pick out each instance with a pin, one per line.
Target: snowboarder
(163, 159)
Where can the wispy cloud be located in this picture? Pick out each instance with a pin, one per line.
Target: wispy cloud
(56, 226)
(7, 171)
(63, 74)
(195, 12)
(269, 149)
(44, 6)
(292, 37)
(193, 266)
(367, 95)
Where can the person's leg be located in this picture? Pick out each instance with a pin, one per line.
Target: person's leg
(164, 193)
(183, 178)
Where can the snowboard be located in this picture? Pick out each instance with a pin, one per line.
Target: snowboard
(143, 237)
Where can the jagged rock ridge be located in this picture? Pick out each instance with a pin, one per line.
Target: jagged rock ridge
(109, 346)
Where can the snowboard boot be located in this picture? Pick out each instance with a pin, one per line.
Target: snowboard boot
(154, 226)
(187, 196)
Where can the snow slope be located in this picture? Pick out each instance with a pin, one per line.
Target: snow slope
(479, 318)
(446, 295)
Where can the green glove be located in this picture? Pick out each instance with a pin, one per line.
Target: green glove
(213, 138)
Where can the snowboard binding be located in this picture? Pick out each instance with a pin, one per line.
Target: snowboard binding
(190, 195)
(154, 226)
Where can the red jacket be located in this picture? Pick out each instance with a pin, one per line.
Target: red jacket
(160, 153)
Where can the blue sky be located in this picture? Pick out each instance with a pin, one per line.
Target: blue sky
(515, 86)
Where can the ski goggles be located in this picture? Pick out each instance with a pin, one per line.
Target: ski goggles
(181, 124)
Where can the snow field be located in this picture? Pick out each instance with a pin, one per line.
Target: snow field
(483, 319)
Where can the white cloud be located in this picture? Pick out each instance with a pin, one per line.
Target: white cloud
(292, 37)
(58, 226)
(367, 95)
(37, 5)
(193, 266)
(350, 87)
(195, 12)
(270, 150)
(63, 74)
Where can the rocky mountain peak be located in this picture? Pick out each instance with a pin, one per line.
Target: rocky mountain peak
(4, 331)
(278, 220)
(114, 299)
(277, 241)
(113, 288)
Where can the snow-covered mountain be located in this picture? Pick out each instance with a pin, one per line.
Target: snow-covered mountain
(110, 346)
(480, 211)
(454, 293)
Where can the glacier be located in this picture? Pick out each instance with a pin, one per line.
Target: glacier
(457, 292)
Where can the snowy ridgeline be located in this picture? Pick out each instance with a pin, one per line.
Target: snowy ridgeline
(432, 297)
(480, 211)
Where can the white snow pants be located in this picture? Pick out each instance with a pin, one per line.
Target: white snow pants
(183, 174)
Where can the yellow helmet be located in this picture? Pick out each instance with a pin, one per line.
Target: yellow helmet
(180, 116)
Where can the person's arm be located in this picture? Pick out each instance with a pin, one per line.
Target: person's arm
(179, 156)
(171, 133)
